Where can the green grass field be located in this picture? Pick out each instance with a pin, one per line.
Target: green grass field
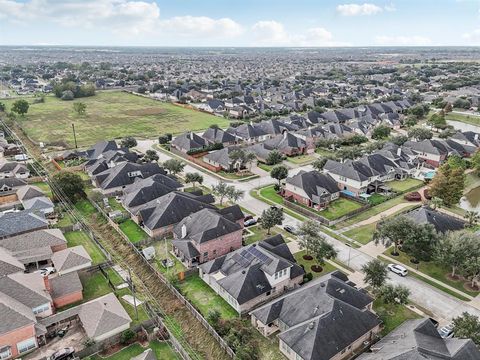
(112, 114)
(163, 351)
(75, 238)
(338, 208)
(204, 298)
(307, 264)
(392, 315)
(133, 231)
(301, 159)
(362, 234)
(402, 185)
(468, 119)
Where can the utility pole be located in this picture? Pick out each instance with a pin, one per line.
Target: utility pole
(132, 289)
(74, 135)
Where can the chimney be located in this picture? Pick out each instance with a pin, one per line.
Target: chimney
(399, 151)
(184, 231)
(46, 281)
(251, 122)
(476, 137)
(285, 133)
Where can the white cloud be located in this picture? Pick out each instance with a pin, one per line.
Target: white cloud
(472, 37)
(202, 26)
(273, 33)
(357, 9)
(414, 40)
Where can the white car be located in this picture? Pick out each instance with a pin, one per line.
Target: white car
(46, 271)
(397, 269)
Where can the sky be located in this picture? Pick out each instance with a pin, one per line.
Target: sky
(257, 23)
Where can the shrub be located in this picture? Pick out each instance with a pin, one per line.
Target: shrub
(308, 277)
(413, 196)
(163, 139)
(427, 195)
(127, 337)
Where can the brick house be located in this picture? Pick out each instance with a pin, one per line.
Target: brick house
(253, 274)
(312, 189)
(205, 235)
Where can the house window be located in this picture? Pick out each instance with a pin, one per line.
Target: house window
(215, 252)
(276, 276)
(41, 309)
(5, 352)
(26, 345)
(205, 255)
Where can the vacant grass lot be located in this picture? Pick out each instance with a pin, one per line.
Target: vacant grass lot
(468, 119)
(112, 114)
(204, 298)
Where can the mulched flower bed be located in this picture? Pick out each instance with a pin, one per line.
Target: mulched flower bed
(316, 268)
(307, 257)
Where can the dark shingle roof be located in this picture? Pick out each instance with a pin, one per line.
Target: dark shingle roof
(440, 221)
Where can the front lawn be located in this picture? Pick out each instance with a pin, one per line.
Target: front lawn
(78, 237)
(269, 193)
(163, 351)
(236, 175)
(404, 185)
(134, 232)
(260, 233)
(301, 159)
(265, 167)
(340, 207)
(433, 270)
(307, 264)
(204, 298)
(362, 234)
(392, 315)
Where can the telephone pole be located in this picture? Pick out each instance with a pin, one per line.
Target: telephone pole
(74, 136)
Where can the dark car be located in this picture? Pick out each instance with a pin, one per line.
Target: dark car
(63, 354)
(248, 217)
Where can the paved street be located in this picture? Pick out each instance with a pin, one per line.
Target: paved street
(426, 296)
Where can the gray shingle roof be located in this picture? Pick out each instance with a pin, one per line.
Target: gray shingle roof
(121, 175)
(316, 185)
(71, 257)
(9, 264)
(66, 284)
(13, 314)
(29, 289)
(20, 222)
(441, 222)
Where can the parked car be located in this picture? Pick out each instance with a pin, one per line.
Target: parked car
(46, 271)
(290, 229)
(397, 269)
(63, 354)
(250, 222)
(248, 217)
(446, 332)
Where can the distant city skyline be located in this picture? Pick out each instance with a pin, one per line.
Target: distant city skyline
(243, 23)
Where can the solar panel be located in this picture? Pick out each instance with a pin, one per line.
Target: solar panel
(264, 259)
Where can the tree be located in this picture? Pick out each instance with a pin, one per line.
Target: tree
(234, 194)
(422, 245)
(472, 218)
(279, 172)
(20, 107)
(274, 157)
(399, 140)
(193, 178)
(467, 326)
(68, 95)
(410, 121)
(151, 156)
(221, 190)
(475, 162)
(308, 231)
(319, 163)
(349, 152)
(437, 121)
(271, 217)
(420, 133)
(455, 248)
(322, 250)
(376, 273)
(381, 132)
(394, 294)
(174, 166)
(455, 161)
(70, 184)
(80, 108)
(448, 184)
(394, 231)
(129, 142)
(436, 203)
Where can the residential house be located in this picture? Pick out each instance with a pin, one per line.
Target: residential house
(220, 159)
(159, 216)
(326, 319)
(312, 189)
(215, 135)
(433, 152)
(14, 170)
(213, 106)
(9, 188)
(253, 274)
(21, 222)
(467, 138)
(205, 235)
(441, 222)
(9, 264)
(248, 133)
(71, 259)
(288, 144)
(143, 191)
(189, 141)
(114, 180)
(419, 339)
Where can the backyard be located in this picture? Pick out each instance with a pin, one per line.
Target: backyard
(204, 298)
(112, 114)
(163, 351)
(134, 232)
(75, 238)
(404, 185)
(338, 208)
